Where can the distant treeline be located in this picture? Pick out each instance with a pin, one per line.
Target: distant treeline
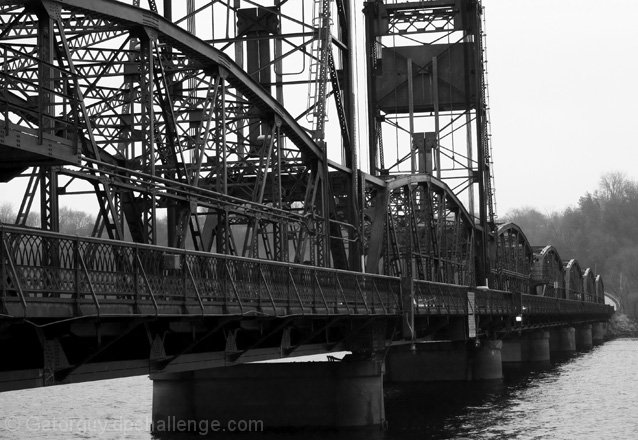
(75, 222)
(601, 233)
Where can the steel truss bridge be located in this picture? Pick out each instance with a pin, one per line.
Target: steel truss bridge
(238, 122)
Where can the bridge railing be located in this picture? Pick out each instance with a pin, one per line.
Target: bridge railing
(72, 276)
(96, 275)
(433, 298)
(542, 305)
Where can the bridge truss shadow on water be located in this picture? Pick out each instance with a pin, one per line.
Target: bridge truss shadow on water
(278, 243)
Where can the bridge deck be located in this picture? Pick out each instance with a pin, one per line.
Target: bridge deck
(49, 275)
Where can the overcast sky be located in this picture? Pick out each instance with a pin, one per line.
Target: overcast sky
(563, 79)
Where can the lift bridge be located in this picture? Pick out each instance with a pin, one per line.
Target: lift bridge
(323, 168)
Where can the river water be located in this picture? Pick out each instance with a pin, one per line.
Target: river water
(591, 395)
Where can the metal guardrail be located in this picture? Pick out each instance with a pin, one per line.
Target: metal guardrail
(70, 276)
(104, 276)
(436, 298)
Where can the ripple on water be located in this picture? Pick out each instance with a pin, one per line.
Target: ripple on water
(590, 396)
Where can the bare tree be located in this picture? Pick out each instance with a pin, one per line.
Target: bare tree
(7, 214)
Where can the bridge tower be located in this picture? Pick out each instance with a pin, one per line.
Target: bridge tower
(428, 110)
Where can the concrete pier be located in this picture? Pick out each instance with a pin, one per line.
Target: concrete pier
(538, 346)
(584, 337)
(598, 332)
(428, 362)
(445, 361)
(563, 340)
(304, 394)
(487, 361)
(531, 346)
(514, 350)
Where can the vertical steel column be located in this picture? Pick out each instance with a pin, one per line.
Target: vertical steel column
(148, 130)
(45, 74)
(239, 59)
(435, 99)
(413, 153)
(483, 171)
(350, 98)
(369, 11)
(49, 209)
(49, 213)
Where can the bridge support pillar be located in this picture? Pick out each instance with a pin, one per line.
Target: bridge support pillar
(428, 362)
(515, 350)
(563, 340)
(299, 394)
(529, 347)
(445, 361)
(538, 346)
(598, 332)
(584, 337)
(487, 361)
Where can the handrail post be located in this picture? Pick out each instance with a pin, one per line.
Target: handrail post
(272, 300)
(14, 272)
(407, 306)
(294, 285)
(323, 297)
(3, 270)
(76, 262)
(184, 281)
(190, 274)
(88, 280)
(136, 280)
(148, 285)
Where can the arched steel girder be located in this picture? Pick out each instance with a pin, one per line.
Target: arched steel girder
(600, 289)
(589, 285)
(573, 280)
(614, 299)
(208, 58)
(548, 275)
(427, 234)
(108, 96)
(514, 251)
(513, 260)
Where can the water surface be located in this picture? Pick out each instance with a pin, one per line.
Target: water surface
(592, 395)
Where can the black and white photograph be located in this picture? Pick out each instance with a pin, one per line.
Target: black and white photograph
(318, 219)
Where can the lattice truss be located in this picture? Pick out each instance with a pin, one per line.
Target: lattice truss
(548, 273)
(158, 120)
(428, 101)
(512, 270)
(428, 235)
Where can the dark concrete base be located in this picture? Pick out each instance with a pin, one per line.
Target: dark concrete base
(444, 361)
(515, 350)
(563, 340)
(598, 332)
(539, 346)
(584, 338)
(532, 346)
(308, 394)
(487, 363)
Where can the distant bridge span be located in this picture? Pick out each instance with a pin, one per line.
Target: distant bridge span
(617, 304)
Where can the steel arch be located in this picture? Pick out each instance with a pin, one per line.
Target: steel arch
(600, 290)
(573, 280)
(156, 119)
(428, 234)
(589, 286)
(514, 257)
(548, 277)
